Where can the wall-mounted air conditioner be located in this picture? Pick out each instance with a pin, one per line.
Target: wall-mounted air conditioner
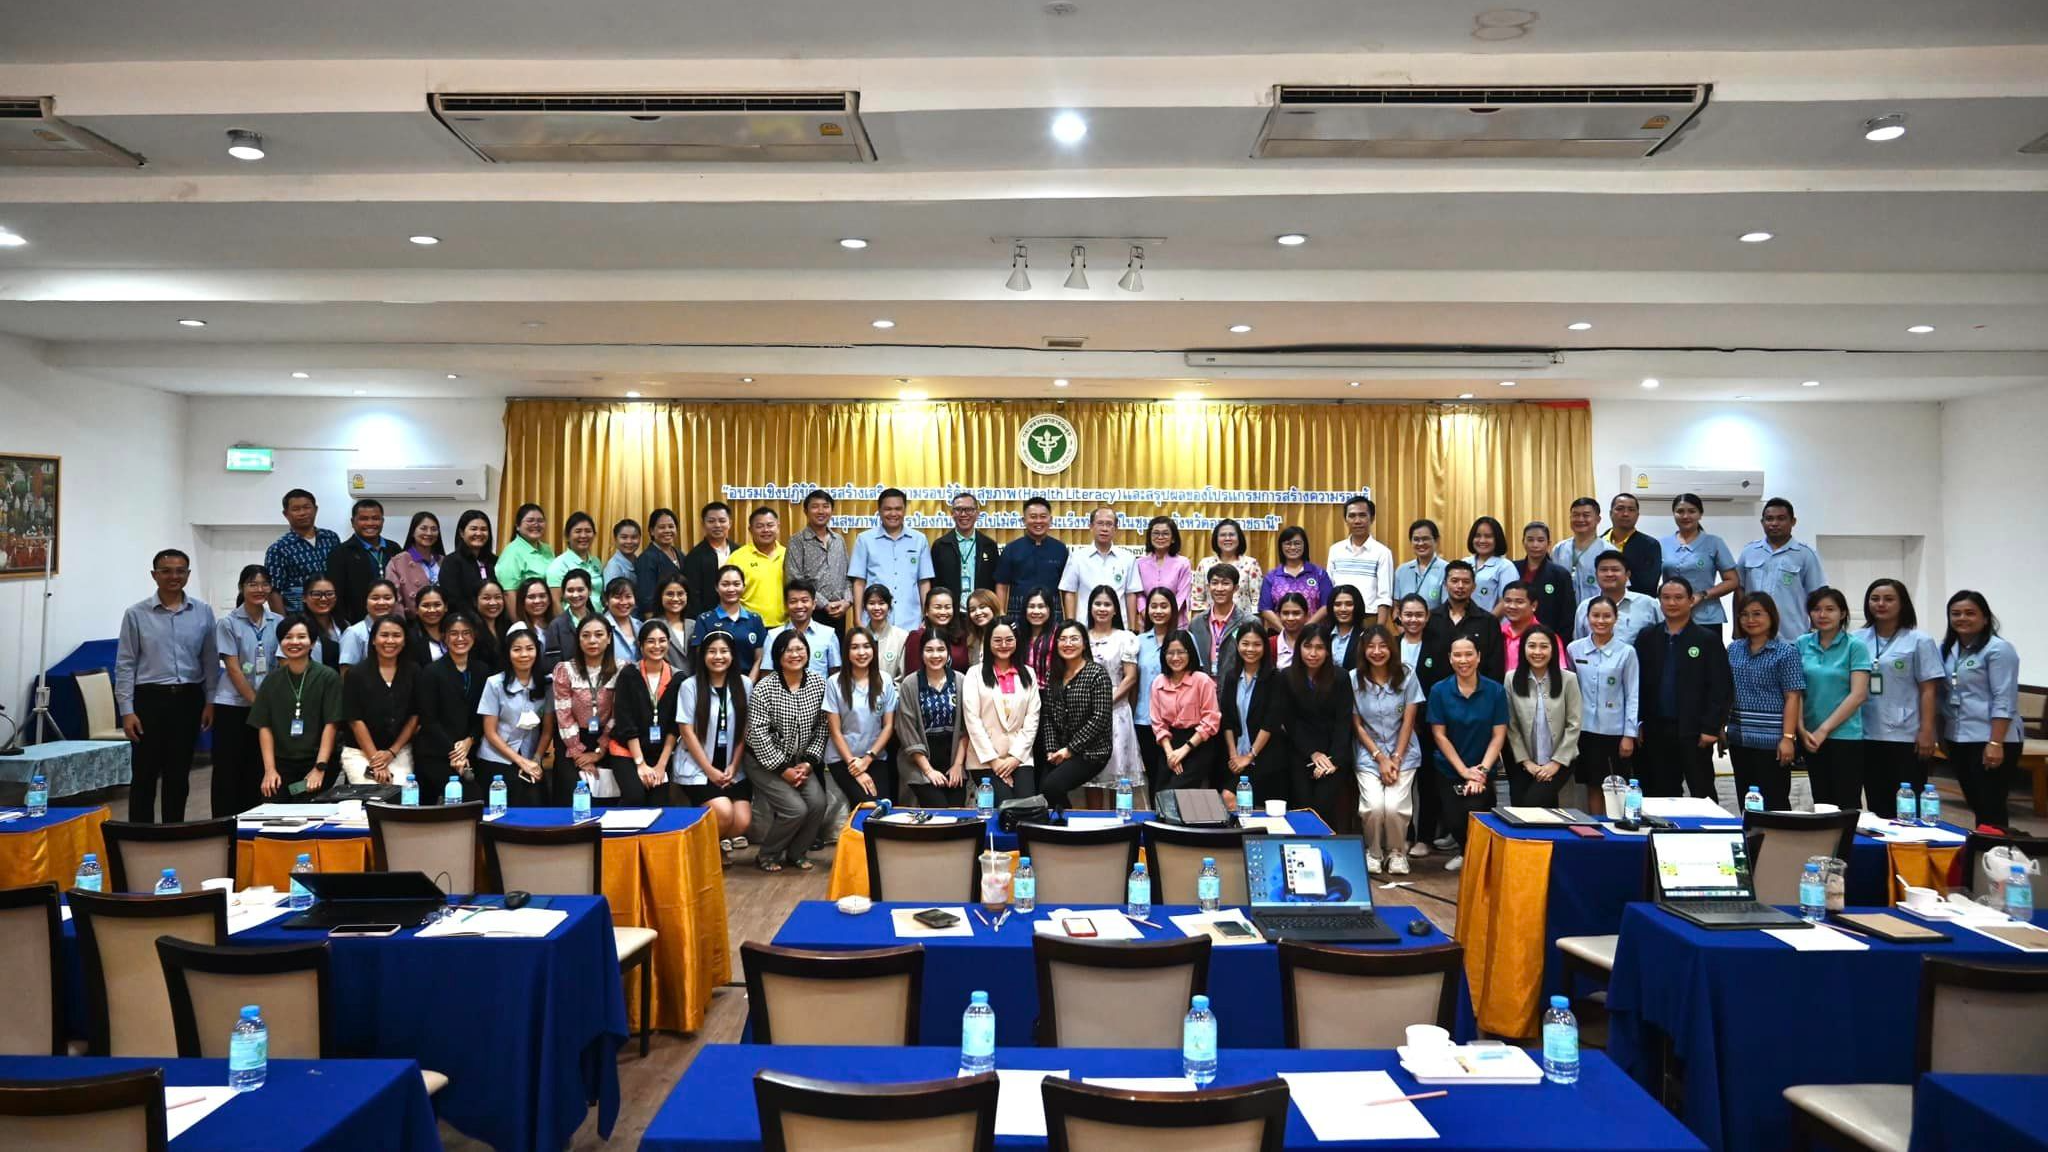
(1653, 481)
(468, 484)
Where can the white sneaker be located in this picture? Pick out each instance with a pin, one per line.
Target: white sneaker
(1455, 863)
(1397, 864)
(1372, 863)
(1447, 843)
(1419, 850)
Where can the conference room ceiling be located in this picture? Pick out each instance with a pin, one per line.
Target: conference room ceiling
(677, 280)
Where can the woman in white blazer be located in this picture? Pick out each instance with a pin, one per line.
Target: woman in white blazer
(999, 707)
(1544, 716)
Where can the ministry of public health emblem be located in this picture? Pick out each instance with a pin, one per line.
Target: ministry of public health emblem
(1047, 444)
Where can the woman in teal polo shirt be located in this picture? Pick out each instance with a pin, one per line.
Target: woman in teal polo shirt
(1703, 558)
(1837, 670)
(1468, 719)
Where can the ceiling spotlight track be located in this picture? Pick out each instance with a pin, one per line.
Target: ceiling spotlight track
(1077, 269)
(1020, 269)
(244, 144)
(1133, 279)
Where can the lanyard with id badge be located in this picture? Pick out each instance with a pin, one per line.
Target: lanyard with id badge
(298, 728)
(261, 664)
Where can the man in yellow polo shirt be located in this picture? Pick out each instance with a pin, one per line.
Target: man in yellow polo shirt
(761, 559)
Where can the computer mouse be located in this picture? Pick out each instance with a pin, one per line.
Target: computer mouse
(517, 899)
(1417, 927)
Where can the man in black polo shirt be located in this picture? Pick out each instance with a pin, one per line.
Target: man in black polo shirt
(359, 561)
(1642, 553)
(1550, 585)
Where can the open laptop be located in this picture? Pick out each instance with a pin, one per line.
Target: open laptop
(1703, 876)
(402, 898)
(1311, 888)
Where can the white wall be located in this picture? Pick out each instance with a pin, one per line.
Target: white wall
(1993, 477)
(120, 499)
(1870, 470)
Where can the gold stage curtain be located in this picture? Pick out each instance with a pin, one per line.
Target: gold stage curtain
(1450, 463)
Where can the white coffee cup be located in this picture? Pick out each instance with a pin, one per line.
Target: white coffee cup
(1276, 807)
(1424, 1036)
(1922, 898)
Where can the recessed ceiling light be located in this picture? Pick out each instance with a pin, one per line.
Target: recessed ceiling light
(1921, 329)
(1240, 329)
(1356, 383)
(1890, 126)
(244, 144)
(453, 376)
(1507, 383)
(632, 395)
(361, 392)
(1650, 382)
(1059, 383)
(1069, 128)
(424, 240)
(746, 379)
(852, 242)
(11, 240)
(881, 323)
(193, 323)
(1754, 237)
(1744, 396)
(1579, 325)
(1290, 239)
(1809, 383)
(302, 375)
(1464, 395)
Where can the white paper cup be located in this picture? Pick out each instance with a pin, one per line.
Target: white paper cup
(1922, 898)
(1276, 807)
(1423, 1036)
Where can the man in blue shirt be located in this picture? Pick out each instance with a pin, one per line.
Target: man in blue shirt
(1033, 560)
(1787, 569)
(298, 555)
(166, 667)
(893, 556)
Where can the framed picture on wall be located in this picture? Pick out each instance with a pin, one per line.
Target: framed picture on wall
(28, 512)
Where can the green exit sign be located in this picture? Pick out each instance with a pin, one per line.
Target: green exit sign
(250, 460)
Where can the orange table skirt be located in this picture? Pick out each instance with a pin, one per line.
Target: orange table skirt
(51, 855)
(672, 882)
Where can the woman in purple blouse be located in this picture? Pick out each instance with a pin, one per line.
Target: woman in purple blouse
(1295, 573)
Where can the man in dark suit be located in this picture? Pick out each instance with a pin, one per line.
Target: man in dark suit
(358, 562)
(1216, 636)
(701, 563)
(963, 543)
(1686, 693)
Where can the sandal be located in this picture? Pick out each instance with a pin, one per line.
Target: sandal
(739, 842)
(768, 866)
(725, 846)
(805, 866)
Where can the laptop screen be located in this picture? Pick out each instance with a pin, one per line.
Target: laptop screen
(1289, 871)
(1702, 865)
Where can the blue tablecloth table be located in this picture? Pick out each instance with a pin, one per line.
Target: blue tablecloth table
(1244, 979)
(303, 1106)
(1955, 1113)
(71, 766)
(712, 1107)
(1750, 1016)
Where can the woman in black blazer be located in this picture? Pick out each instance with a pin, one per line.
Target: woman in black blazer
(659, 562)
(1311, 714)
(1252, 749)
(643, 735)
(446, 695)
(470, 563)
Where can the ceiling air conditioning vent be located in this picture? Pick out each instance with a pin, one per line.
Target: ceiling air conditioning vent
(658, 127)
(1587, 122)
(1066, 342)
(31, 137)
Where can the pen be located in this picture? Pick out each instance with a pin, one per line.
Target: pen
(1416, 1096)
(1145, 922)
(182, 1103)
(983, 919)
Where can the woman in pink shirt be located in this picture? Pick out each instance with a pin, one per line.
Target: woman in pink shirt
(1186, 717)
(1162, 566)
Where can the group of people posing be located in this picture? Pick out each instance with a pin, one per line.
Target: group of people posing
(729, 673)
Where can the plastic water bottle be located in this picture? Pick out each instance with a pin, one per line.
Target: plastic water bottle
(167, 884)
(89, 877)
(409, 795)
(1244, 794)
(579, 802)
(1198, 1043)
(38, 795)
(1560, 1043)
(497, 804)
(302, 896)
(452, 794)
(978, 1037)
(1632, 805)
(1138, 893)
(1209, 886)
(2019, 895)
(882, 808)
(1024, 886)
(1930, 805)
(985, 797)
(1908, 806)
(1124, 798)
(1813, 894)
(1753, 800)
(248, 1051)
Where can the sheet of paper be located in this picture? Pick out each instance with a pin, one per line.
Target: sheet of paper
(1109, 924)
(309, 811)
(1145, 1083)
(11, 814)
(1669, 806)
(66, 910)
(242, 917)
(2013, 934)
(911, 818)
(1271, 825)
(184, 1107)
(527, 923)
(628, 819)
(269, 829)
(1020, 1107)
(907, 927)
(1340, 1106)
(1819, 938)
(1908, 833)
(1199, 924)
(1081, 823)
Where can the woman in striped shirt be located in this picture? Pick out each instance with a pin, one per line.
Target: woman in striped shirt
(786, 753)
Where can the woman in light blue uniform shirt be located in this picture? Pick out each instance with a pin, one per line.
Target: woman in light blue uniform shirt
(1492, 571)
(1387, 699)
(1424, 575)
(1610, 696)
(1705, 561)
(1981, 731)
(1901, 719)
(514, 708)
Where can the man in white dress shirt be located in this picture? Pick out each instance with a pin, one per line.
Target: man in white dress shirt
(1363, 562)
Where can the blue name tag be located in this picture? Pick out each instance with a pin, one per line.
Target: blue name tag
(298, 726)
